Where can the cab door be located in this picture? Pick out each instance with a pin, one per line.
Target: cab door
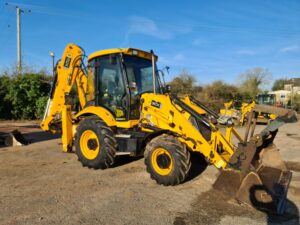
(140, 80)
(110, 91)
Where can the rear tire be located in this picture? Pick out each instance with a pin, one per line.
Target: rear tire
(167, 160)
(95, 144)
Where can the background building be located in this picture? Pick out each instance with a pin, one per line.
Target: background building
(291, 88)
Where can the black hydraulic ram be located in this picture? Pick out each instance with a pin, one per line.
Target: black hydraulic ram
(208, 110)
(188, 109)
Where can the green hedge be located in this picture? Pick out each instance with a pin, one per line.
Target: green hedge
(23, 97)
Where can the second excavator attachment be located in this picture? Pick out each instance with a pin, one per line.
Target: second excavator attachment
(13, 138)
(256, 174)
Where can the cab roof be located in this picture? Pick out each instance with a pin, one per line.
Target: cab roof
(127, 51)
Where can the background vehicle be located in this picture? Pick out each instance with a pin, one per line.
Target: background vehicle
(266, 99)
(241, 113)
(125, 109)
(231, 109)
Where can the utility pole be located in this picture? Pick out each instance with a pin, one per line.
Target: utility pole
(19, 11)
(19, 50)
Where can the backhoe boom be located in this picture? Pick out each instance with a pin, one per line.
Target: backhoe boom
(68, 71)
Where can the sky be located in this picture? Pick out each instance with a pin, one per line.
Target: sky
(213, 40)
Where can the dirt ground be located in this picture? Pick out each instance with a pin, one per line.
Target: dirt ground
(39, 184)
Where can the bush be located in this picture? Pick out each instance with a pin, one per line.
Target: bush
(40, 106)
(215, 94)
(184, 84)
(296, 102)
(5, 104)
(24, 94)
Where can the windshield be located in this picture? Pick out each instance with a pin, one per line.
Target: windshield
(266, 99)
(139, 74)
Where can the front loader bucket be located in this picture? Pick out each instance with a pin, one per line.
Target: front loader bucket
(256, 173)
(266, 186)
(260, 180)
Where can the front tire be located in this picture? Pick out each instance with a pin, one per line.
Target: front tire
(167, 160)
(95, 144)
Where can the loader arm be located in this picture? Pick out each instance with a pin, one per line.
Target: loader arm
(228, 105)
(252, 163)
(189, 124)
(68, 71)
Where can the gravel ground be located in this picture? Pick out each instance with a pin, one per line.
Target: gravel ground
(39, 184)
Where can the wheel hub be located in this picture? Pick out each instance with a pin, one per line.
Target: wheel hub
(89, 144)
(92, 144)
(163, 161)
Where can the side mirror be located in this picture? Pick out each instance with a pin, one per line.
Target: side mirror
(167, 68)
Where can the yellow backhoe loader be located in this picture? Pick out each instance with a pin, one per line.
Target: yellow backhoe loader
(126, 109)
(231, 110)
(241, 113)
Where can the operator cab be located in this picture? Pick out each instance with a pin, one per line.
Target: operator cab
(118, 77)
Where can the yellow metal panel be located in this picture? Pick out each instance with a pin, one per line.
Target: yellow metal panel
(67, 134)
(273, 116)
(127, 51)
(246, 108)
(68, 70)
(228, 133)
(168, 116)
(188, 101)
(101, 112)
(228, 105)
(127, 124)
(229, 112)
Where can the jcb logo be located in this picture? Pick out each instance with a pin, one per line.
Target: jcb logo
(67, 61)
(155, 104)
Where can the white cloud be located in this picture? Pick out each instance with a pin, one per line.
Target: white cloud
(146, 26)
(292, 48)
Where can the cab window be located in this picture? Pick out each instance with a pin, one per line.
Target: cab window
(140, 80)
(90, 90)
(111, 89)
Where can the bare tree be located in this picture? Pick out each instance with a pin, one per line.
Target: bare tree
(253, 80)
(279, 84)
